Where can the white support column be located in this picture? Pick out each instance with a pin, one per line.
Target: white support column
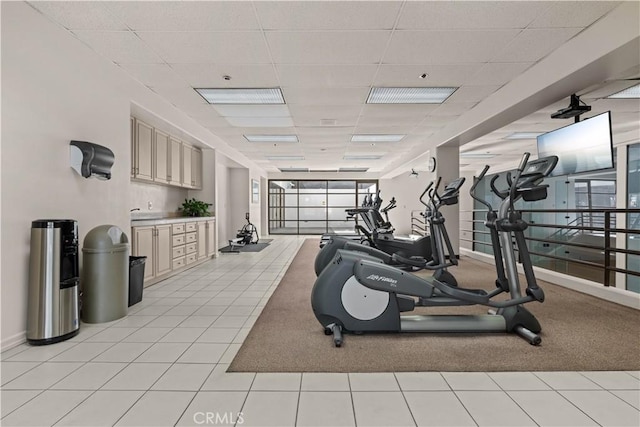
(448, 167)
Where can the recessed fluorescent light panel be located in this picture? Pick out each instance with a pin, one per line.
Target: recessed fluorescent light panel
(285, 157)
(363, 157)
(271, 138)
(376, 138)
(628, 93)
(475, 155)
(409, 95)
(353, 169)
(323, 170)
(242, 96)
(523, 135)
(294, 169)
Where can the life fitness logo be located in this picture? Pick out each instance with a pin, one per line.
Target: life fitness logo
(213, 418)
(389, 280)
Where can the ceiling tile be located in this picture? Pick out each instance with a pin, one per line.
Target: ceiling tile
(398, 110)
(119, 46)
(498, 73)
(472, 93)
(334, 47)
(389, 120)
(322, 15)
(154, 74)
(242, 75)
(260, 121)
(185, 16)
(75, 15)
(617, 105)
(469, 14)
(252, 110)
(532, 45)
(326, 96)
(313, 76)
(446, 47)
(324, 111)
(438, 75)
(180, 96)
(562, 14)
(453, 108)
(235, 47)
(383, 130)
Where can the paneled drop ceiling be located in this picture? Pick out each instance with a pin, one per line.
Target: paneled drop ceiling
(327, 55)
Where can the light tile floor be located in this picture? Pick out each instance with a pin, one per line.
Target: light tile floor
(165, 364)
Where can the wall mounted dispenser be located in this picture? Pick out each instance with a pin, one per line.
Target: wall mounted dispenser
(91, 160)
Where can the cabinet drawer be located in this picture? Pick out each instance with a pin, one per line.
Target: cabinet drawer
(191, 259)
(178, 252)
(178, 262)
(190, 226)
(191, 248)
(177, 228)
(191, 237)
(178, 240)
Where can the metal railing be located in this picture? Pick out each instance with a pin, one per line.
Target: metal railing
(418, 224)
(566, 237)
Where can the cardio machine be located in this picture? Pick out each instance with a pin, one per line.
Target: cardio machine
(248, 234)
(438, 239)
(355, 294)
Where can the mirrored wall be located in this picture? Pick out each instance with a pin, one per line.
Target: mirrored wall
(315, 206)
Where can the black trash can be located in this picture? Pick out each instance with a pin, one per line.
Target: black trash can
(136, 278)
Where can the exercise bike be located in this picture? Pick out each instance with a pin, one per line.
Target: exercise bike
(358, 294)
(247, 235)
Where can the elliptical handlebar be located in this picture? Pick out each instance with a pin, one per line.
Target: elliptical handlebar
(502, 194)
(514, 184)
(476, 181)
(426, 190)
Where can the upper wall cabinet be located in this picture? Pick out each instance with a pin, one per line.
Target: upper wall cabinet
(158, 157)
(175, 162)
(143, 150)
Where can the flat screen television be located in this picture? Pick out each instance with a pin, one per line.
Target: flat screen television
(584, 146)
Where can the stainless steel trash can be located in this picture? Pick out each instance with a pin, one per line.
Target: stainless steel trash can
(105, 274)
(52, 302)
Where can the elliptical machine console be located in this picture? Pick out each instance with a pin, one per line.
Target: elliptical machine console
(357, 295)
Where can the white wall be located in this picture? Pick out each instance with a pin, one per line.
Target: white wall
(240, 191)
(164, 199)
(407, 191)
(55, 89)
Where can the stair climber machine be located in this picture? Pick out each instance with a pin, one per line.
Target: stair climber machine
(358, 294)
(438, 239)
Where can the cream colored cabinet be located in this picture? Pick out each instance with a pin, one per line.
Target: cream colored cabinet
(179, 249)
(175, 161)
(201, 231)
(154, 242)
(211, 238)
(196, 168)
(160, 157)
(143, 151)
(187, 179)
(143, 242)
(164, 250)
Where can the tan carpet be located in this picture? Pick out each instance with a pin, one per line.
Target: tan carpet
(580, 332)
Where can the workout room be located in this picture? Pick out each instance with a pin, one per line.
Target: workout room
(320, 213)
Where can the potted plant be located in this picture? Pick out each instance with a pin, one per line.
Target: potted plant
(193, 207)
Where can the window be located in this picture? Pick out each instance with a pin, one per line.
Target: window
(314, 206)
(633, 219)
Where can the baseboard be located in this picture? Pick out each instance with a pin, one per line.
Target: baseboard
(13, 341)
(612, 294)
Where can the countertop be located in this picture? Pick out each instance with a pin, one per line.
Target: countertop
(141, 222)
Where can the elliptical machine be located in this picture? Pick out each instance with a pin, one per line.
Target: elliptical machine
(248, 234)
(438, 240)
(363, 295)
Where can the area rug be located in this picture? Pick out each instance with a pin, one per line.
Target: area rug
(580, 332)
(253, 247)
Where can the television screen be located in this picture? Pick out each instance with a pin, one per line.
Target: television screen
(581, 147)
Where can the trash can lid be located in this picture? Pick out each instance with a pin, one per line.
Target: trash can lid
(105, 238)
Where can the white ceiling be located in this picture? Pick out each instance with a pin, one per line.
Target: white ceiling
(326, 56)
